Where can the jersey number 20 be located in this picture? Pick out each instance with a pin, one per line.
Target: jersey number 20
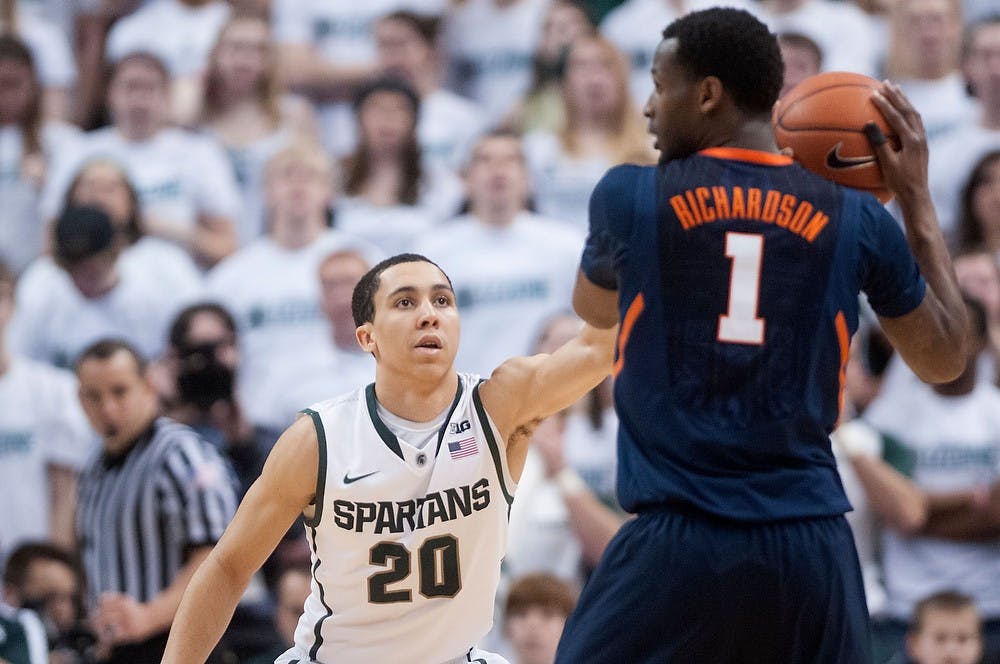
(438, 573)
(740, 324)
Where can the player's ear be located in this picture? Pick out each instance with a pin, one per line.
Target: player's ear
(364, 336)
(710, 93)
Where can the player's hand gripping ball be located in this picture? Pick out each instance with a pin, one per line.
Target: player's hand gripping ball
(822, 120)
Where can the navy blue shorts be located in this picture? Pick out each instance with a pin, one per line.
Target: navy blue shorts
(684, 588)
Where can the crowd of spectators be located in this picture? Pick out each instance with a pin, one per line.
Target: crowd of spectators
(189, 190)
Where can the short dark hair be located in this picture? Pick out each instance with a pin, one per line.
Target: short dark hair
(735, 47)
(539, 590)
(15, 574)
(804, 42)
(105, 349)
(946, 600)
(363, 297)
(181, 325)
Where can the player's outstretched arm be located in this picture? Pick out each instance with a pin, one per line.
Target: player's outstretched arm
(525, 389)
(932, 337)
(286, 486)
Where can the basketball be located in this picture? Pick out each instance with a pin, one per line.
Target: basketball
(821, 120)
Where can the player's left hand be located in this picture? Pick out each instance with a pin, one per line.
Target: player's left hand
(121, 619)
(905, 169)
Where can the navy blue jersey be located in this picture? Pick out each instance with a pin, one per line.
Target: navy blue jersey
(738, 275)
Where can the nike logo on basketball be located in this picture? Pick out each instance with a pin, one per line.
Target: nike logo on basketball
(836, 162)
(352, 480)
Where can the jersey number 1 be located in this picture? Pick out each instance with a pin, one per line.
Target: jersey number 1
(439, 574)
(740, 324)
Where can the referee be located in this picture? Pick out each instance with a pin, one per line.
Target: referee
(151, 505)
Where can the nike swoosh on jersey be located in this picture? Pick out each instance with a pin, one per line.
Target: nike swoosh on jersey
(836, 162)
(351, 480)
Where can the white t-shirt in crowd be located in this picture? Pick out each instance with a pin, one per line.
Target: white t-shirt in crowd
(180, 35)
(53, 322)
(342, 31)
(508, 281)
(829, 24)
(274, 294)
(41, 425)
(393, 229)
(955, 443)
(321, 375)
(944, 104)
(179, 174)
(22, 229)
(490, 50)
(448, 126)
(636, 27)
(562, 183)
(50, 47)
(952, 158)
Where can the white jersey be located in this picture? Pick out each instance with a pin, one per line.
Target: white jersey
(508, 282)
(954, 443)
(179, 175)
(490, 46)
(406, 542)
(180, 35)
(273, 293)
(41, 425)
(952, 158)
(22, 227)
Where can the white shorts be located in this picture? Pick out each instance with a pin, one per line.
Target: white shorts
(475, 656)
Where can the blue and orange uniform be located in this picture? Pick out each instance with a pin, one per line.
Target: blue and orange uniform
(738, 274)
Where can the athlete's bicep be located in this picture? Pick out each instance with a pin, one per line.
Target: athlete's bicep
(286, 486)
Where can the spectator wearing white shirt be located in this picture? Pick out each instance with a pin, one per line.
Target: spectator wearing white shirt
(602, 128)
(185, 183)
(44, 442)
(51, 51)
(407, 45)
(27, 144)
(490, 44)
(828, 22)
(391, 193)
(925, 42)
(104, 294)
(181, 34)
(340, 365)
(953, 155)
(245, 107)
(270, 285)
(513, 268)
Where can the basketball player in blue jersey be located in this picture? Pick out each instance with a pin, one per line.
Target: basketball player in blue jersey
(735, 274)
(406, 487)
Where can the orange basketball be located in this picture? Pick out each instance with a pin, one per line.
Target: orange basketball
(821, 119)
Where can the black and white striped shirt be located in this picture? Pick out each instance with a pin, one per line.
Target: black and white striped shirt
(140, 515)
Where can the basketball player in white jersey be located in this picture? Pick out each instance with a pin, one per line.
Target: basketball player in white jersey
(405, 484)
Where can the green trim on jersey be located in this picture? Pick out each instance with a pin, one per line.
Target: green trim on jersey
(388, 437)
(492, 442)
(321, 473)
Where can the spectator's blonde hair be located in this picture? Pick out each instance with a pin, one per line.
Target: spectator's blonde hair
(630, 142)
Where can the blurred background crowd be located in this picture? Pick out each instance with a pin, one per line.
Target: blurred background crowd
(206, 180)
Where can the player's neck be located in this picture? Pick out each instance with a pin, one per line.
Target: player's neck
(754, 134)
(411, 398)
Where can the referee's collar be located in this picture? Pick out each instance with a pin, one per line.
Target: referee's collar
(115, 460)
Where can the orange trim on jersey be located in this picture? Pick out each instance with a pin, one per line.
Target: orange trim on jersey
(631, 314)
(844, 341)
(753, 156)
